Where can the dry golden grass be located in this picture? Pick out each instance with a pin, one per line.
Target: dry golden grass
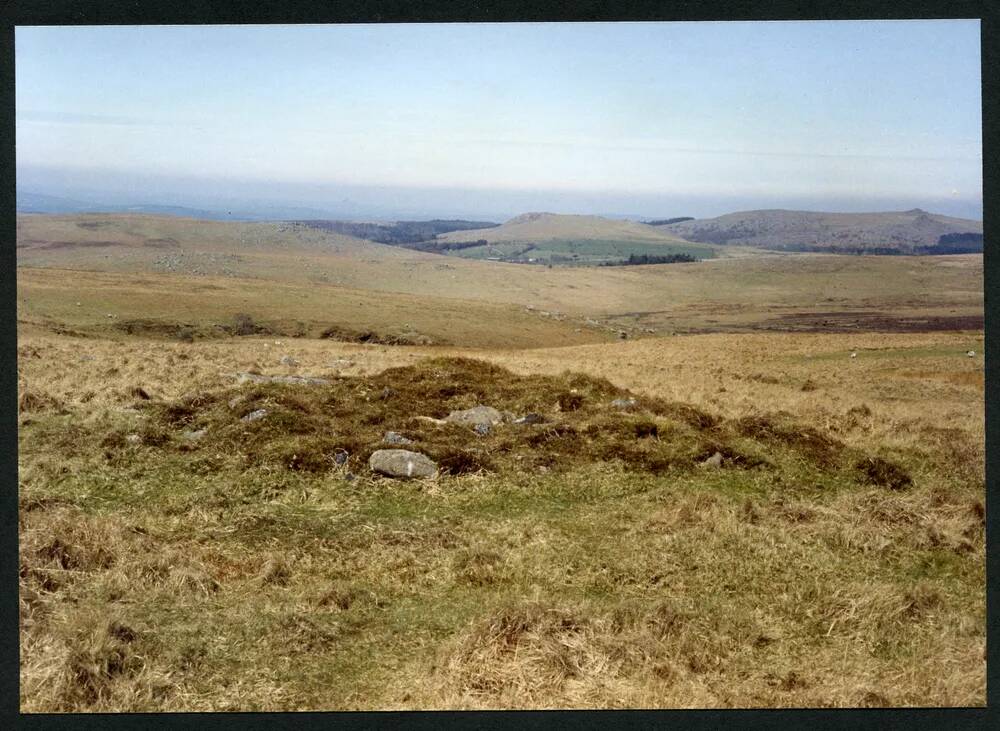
(161, 305)
(919, 388)
(587, 563)
(157, 577)
(301, 273)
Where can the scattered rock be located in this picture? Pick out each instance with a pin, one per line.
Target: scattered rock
(133, 438)
(477, 415)
(432, 420)
(287, 360)
(392, 437)
(715, 461)
(255, 415)
(341, 363)
(481, 429)
(531, 418)
(235, 401)
(194, 436)
(401, 463)
(301, 380)
(623, 403)
(139, 393)
(340, 457)
(85, 358)
(387, 393)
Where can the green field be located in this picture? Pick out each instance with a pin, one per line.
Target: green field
(581, 251)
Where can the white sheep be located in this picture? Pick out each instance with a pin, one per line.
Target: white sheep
(971, 354)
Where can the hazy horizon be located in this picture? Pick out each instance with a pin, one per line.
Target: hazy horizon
(387, 203)
(491, 120)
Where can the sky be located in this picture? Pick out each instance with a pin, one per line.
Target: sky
(646, 119)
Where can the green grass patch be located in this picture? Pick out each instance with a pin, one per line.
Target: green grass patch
(581, 251)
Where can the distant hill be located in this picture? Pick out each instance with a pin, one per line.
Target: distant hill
(535, 227)
(905, 232)
(30, 202)
(182, 245)
(288, 272)
(550, 238)
(41, 203)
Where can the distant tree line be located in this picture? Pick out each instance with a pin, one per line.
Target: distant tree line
(400, 232)
(947, 244)
(639, 259)
(963, 243)
(668, 221)
(439, 247)
(847, 250)
(966, 238)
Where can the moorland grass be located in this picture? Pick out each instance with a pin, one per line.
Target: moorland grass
(585, 562)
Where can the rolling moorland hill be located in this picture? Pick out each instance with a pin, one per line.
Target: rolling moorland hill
(545, 226)
(915, 231)
(31, 202)
(300, 254)
(549, 238)
(41, 203)
(163, 276)
(280, 251)
(126, 236)
(196, 273)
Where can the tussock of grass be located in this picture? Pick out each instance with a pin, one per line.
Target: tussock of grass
(884, 473)
(102, 666)
(820, 448)
(37, 401)
(526, 654)
(350, 335)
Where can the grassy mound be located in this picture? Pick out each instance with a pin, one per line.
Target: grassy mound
(336, 427)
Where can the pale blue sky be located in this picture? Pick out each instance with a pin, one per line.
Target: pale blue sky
(768, 112)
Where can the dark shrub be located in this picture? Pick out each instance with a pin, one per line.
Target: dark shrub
(882, 472)
(243, 324)
(570, 401)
